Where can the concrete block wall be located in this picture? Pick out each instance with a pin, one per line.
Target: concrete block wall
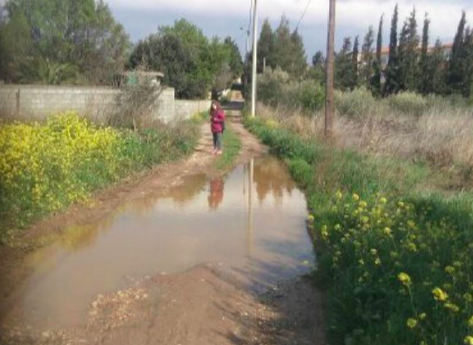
(22, 102)
(186, 109)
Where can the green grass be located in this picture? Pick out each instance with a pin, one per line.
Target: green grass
(231, 149)
(373, 219)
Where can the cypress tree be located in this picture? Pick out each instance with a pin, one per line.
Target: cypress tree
(437, 70)
(468, 64)
(455, 71)
(354, 62)
(265, 46)
(377, 66)
(425, 82)
(408, 55)
(298, 65)
(344, 67)
(392, 70)
(367, 58)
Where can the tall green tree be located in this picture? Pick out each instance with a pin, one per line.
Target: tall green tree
(376, 87)
(425, 82)
(408, 55)
(192, 64)
(392, 70)
(82, 33)
(456, 77)
(344, 66)
(288, 52)
(15, 43)
(298, 65)
(468, 64)
(266, 46)
(236, 62)
(317, 71)
(437, 70)
(355, 63)
(367, 58)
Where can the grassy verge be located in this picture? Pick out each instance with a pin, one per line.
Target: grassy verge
(394, 258)
(231, 149)
(46, 167)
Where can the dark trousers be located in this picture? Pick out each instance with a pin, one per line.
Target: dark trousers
(217, 140)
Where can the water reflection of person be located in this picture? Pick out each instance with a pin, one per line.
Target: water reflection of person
(216, 193)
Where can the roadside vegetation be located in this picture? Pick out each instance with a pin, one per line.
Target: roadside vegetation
(44, 167)
(231, 149)
(391, 197)
(394, 252)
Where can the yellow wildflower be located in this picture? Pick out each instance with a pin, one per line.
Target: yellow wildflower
(411, 323)
(404, 279)
(439, 294)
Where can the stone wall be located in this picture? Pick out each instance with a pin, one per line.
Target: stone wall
(21, 102)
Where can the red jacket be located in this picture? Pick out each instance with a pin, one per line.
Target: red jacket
(217, 118)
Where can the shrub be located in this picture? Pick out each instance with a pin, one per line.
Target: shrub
(409, 103)
(356, 103)
(275, 88)
(44, 168)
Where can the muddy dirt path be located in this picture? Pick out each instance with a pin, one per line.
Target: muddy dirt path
(232, 297)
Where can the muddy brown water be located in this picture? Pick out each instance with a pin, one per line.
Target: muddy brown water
(250, 222)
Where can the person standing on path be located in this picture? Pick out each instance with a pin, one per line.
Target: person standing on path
(217, 120)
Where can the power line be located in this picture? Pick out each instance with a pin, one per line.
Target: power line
(303, 14)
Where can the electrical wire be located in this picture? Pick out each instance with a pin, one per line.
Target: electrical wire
(303, 14)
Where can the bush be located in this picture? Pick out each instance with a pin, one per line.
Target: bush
(409, 103)
(272, 85)
(357, 103)
(44, 168)
(275, 88)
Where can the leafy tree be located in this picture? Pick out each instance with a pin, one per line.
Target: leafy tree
(318, 59)
(377, 66)
(236, 62)
(82, 33)
(344, 66)
(425, 83)
(191, 63)
(367, 58)
(437, 70)
(392, 70)
(15, 42)
(266, 46)
(456, 67)
(354, 62)
(408, 55)
(299, 60)
(288, 50)
(468, 64)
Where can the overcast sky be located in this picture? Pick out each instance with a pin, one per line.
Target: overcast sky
(226, 17)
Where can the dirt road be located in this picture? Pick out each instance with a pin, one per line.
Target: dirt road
(208, 304)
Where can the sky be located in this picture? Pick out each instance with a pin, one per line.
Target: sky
(231, 17)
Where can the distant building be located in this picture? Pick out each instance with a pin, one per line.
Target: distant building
(446, 49)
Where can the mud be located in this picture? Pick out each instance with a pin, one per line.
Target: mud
(180, 255)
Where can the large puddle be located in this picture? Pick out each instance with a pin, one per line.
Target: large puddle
(251, 221)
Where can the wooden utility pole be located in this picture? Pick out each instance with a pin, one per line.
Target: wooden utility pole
(329, 105)
(255, 46)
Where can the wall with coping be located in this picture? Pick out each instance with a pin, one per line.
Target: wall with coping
(31, 102)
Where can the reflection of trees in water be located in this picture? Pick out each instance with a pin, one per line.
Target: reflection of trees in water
(271, 176)
(181, 195)
(186, 192)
